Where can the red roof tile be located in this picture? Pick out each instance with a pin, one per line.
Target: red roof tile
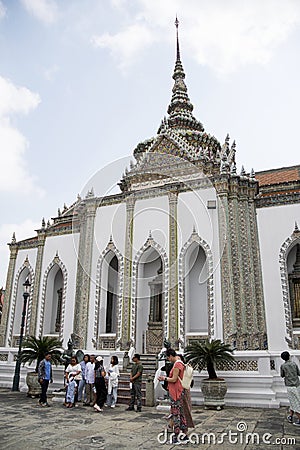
(276, 176)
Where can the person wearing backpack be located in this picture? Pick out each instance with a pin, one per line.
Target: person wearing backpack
(176, 393)
(187, 402)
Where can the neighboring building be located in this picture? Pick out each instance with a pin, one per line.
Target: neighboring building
(187, 250)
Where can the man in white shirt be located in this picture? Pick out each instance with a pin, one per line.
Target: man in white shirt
(90, 380)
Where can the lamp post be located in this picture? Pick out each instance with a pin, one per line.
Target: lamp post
(26, 294)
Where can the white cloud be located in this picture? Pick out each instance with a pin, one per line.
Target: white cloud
(126, 45)
(23, 230)
(44, 10)
(222, 35)
(14, 173)
(2, 10)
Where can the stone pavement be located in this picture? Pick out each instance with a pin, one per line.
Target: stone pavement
(25, 425)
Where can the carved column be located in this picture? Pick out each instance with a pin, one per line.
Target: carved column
(127, 333)
(173, 268)
(37, 282)
(87, 214)
(228, 300)
(246, 268)
(260, 330)
(8, 293)
(236, 254)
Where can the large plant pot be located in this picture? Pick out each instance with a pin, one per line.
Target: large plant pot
(34, 387)
(214, 392)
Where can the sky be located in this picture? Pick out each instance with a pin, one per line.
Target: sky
(82, 82)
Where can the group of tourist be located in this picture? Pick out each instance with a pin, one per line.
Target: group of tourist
(89, 381)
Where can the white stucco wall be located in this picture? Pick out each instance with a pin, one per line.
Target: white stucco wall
(67, 248)
(151, 215)
(109, 221)
(275, 225)
(193, 212)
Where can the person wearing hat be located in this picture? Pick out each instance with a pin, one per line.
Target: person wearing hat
(100, 386)
(136, 384)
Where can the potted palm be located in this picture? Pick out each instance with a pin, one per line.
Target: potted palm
(34, 349)
(206, 355)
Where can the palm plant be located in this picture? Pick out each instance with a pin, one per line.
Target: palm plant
(35, 349)
(208, 354)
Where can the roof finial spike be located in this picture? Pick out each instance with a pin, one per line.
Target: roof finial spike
(296, 229)
(177, 40)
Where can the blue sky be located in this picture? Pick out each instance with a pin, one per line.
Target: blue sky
(83, 81)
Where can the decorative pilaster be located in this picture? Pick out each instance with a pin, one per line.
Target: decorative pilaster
(37, 282)
(173, 269)
(8, 293)
(246, 267)
(236, 242)
(228, 300)
(241, 278)
(87, 212)
(260, 320)
(127, 297)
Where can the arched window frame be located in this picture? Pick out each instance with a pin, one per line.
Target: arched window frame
(56, 261)
(195, 238)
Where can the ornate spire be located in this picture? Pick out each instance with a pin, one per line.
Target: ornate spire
(177, 39)
(180, 108)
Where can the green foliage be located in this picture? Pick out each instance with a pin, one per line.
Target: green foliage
(34, 349)
(206, 355)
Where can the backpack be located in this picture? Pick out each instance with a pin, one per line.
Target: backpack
(187, 376)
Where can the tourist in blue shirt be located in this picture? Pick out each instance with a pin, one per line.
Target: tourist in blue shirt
(45, 377)
(82, 382)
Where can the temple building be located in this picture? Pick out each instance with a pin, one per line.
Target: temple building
(188, 249)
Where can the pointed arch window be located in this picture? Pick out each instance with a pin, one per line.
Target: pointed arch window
(19, 301)
(112, 294)
(196, 294)
(53, 304)
(294, 283)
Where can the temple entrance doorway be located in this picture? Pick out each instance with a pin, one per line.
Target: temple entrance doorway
(150, 303)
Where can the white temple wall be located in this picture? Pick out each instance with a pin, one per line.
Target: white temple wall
(151, 215)
(110, 221)
(67, 248)
(275, 225)
(193, 213)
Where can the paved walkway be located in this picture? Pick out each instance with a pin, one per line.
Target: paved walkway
(24, 425)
